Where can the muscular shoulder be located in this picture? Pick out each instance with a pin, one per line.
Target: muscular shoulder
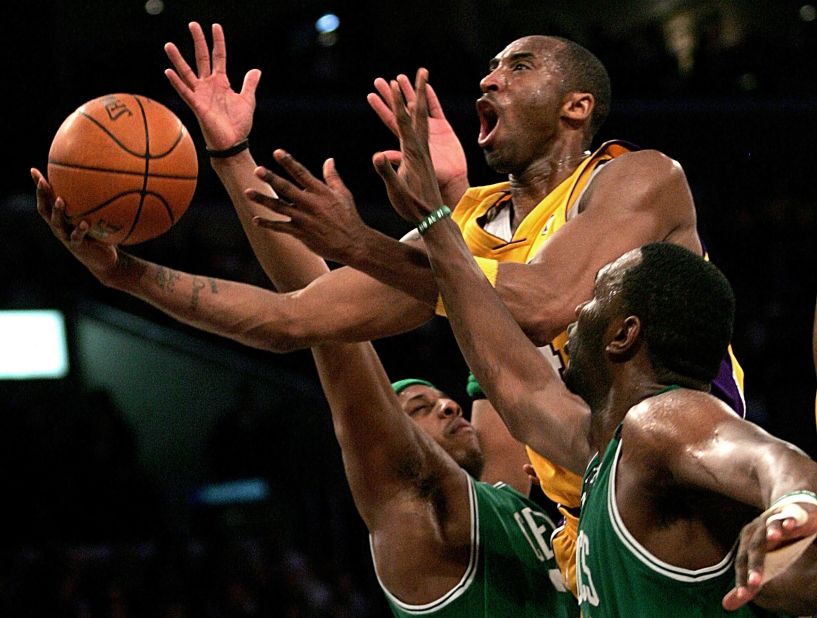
(640, 172)
(674, 423)
(645, 181)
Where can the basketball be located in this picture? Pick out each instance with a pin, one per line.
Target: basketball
(126, 164)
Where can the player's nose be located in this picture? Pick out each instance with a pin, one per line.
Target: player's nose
(449, 407)
(491, 82)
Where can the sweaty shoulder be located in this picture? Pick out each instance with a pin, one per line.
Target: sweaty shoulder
(651, 186)
(641, 174)
(674, 421)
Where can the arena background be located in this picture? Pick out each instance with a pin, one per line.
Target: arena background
(114, 479)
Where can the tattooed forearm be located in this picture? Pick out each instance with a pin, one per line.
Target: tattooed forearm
(166, 278)
(198, 285)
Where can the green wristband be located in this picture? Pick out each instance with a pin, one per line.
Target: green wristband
(802, 495)
(439, 214)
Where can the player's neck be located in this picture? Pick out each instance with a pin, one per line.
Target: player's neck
(534, 183)
(624, 394)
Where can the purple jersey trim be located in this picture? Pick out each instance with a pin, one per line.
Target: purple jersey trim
(726, 389)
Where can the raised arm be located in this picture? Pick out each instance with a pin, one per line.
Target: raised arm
(387, 458)
(225, 118)
(524, 388)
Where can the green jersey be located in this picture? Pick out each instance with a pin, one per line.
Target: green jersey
(511, 571)
(617, 577)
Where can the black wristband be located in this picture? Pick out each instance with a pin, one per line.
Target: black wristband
(229, 152)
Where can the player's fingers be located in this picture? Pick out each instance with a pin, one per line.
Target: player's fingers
(400, 114)
(270, 202)
(200, 50)
(394, 156)
(420, 112)
(219, 49)
(44, 200)
(77, 235)
(406, 89)
(41, 184)
(180, 87)
(296, 170)
(789, 520)
(435, 110)
(333, 179)
(384, 168)
(179, 64)
(250, 84)
(279, 184)
(284, 227)
(383, 111)
(736, 598)
(59, 222)
(755, 551)
(384, 90)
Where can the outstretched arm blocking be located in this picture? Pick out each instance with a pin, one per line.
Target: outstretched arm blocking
(323, 216)
(225, 118)
(447, 154)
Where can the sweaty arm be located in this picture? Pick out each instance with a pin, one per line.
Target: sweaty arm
(637, 198)
(521, 384)
(708, 448)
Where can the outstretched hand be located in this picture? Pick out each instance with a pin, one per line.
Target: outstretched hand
(447, 154)
(322, 215)
(99, 258)
(225, 116)
(413, 191)
(769, 544)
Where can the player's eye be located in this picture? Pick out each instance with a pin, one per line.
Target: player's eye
(419, 410)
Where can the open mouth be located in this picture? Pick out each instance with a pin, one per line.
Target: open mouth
(488, 121)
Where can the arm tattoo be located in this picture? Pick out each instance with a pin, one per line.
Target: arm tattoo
(166, 278)
(198, 285)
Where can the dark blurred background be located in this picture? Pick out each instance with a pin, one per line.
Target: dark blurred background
(171, 473)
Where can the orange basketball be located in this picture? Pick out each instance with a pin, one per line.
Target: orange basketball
(126, 164)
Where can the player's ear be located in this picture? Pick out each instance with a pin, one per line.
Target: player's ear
(625, 335)
(577, 107)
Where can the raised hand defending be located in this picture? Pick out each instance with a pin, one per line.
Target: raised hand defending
(413, 191)
(322, 215)
(225, 116)
(445, 148)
